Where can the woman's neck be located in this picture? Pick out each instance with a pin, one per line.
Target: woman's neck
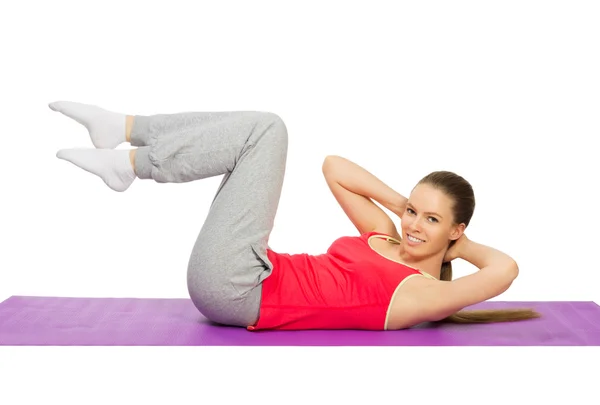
(431, 264)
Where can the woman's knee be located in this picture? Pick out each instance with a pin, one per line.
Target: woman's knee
(275, 129)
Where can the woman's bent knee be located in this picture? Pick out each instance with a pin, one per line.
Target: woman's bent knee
(232, 311)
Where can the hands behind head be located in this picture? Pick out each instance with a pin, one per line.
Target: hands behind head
(455, 250)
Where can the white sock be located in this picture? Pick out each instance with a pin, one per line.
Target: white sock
(106, 128)
(112, 166)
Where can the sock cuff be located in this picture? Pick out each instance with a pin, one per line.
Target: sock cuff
(143, 165)
(140, 132)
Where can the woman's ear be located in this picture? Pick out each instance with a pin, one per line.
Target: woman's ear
(457, 231)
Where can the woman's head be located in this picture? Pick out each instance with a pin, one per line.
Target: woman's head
(439, 209)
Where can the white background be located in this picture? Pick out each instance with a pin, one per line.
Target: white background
(503, 93)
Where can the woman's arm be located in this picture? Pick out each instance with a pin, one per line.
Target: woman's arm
(497, 271)
(354, 187)
(482, 256)
(358, 180)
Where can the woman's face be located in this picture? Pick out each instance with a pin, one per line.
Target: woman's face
(429, 218)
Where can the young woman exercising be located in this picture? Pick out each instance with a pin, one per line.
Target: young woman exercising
(381, 279)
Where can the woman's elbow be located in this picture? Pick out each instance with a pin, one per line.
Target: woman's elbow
(507, 277)
(513, 269)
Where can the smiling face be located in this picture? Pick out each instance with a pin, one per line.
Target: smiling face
(429, 218)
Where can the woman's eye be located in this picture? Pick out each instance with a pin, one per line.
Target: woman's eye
(432, 219)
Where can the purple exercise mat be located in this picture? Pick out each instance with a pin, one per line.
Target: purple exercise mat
(176, 322)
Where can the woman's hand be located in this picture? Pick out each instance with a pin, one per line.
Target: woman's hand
(399, 205)
(455, 250)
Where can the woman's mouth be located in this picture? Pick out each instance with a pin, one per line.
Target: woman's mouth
(414, 240)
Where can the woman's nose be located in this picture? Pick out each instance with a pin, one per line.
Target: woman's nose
(415, 226)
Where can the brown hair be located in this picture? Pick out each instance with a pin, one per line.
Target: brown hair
(461, 192)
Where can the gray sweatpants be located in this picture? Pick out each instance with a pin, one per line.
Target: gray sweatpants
(229, 260)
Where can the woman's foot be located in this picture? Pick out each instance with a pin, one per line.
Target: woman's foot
(107, 129)
(114, 167)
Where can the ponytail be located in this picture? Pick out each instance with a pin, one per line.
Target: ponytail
(484, 315)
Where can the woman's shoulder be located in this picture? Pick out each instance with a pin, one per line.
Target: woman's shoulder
(411, 302)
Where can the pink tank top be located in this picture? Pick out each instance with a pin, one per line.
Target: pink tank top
(349, 287)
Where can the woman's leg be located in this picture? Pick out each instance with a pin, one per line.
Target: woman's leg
(108, 129)
(228, 261)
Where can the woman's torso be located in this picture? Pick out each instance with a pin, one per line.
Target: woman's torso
(355, 285)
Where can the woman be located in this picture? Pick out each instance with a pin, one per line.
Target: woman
(380, 280)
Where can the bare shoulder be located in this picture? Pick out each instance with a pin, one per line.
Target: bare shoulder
(411, 303)
(422, 299)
